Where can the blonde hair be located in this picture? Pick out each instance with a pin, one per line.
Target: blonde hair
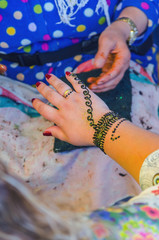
(23, 216)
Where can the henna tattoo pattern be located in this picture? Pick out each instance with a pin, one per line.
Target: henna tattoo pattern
(88, 102)
(104, 124)
(112, 136)
(102, 128)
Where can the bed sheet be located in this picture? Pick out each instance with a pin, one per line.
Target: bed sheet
(85, 178)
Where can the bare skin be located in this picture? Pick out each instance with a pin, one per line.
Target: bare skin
(113, 40)
(72, 126)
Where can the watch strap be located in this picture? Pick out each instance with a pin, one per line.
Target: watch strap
(133, 29)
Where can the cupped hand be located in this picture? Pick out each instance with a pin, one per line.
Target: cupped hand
(113, 57)
(71, 113)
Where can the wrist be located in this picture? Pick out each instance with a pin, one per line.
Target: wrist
(122, 28)
(133, 29)
(103, 126)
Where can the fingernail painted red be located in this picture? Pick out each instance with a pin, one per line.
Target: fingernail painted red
(47, 134)
(38, 83)
(47, 75)
(33, 100)
(67, 73)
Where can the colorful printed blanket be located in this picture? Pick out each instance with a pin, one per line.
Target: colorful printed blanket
(83, 176)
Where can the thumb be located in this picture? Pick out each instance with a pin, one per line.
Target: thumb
(104, 49)
(100, 59)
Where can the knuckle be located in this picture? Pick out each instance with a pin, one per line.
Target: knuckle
(66, 105)
(49, 94)
(116, 71)
(59, 85)
(104, 40)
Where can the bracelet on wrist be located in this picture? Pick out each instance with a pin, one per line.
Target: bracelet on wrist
(103, 126)
(133, 29)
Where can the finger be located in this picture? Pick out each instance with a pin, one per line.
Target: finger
(45, 110)
(117, 58)
(114, 65)
(104, 49)
(85, 66)
(50, 94)
(105, 86)
(56, 132)
(117, 69)
(120, 63)
(75, 81)
(108, 83)
(95, 79)
(57, 83)
(107, 68)
(104, 89)
(3, 69)
(92, 79)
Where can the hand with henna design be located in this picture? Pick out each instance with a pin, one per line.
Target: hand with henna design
(74, 114)
(78, 110)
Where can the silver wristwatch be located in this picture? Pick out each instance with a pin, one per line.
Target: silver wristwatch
(133, 29)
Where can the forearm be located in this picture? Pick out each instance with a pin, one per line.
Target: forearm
(137, 16)
(133, 146)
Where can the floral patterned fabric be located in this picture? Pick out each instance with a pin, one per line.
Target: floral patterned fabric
(137, 219)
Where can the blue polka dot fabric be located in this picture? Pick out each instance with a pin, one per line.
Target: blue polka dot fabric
(29, 26)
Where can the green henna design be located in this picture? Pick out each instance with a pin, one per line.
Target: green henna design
(114, 130)
(87, 97)
(102, 127)
(104, 124)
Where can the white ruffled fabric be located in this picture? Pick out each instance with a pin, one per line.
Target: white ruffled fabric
(68, 8)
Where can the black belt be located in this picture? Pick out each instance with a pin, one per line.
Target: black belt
(40, 58)
(84, 47)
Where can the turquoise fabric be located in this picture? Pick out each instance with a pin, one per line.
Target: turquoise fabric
(7, 102)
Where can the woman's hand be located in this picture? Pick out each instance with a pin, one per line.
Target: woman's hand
(71, 109)
(113, 57)
(113, 40)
